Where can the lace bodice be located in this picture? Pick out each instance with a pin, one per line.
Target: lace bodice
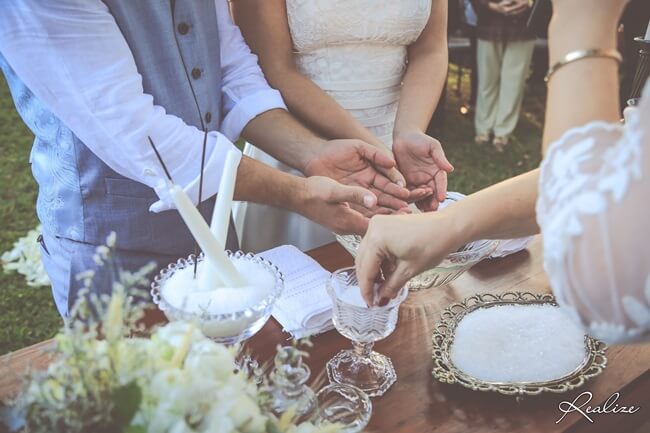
(593, 211)
(356, 50)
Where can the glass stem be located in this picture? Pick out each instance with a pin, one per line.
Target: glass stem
(362, 349)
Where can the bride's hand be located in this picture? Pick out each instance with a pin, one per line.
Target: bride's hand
(424, 165)
(401, 247)
(355, 162)
(327, 202)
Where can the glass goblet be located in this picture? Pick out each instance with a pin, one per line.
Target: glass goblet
(362, 367)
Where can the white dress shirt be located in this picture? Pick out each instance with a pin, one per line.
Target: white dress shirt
(73, 57)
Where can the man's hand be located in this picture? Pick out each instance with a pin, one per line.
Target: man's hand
(424, 165)
(327, 202)
(354, 162)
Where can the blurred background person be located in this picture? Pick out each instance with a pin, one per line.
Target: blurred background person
(504, 52)
(470, 28)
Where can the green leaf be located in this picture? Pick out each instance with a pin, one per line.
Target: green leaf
(134, 429)
(126, 401)
(271, 427)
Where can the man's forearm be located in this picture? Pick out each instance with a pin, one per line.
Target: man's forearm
(259, 183)
(280, 135)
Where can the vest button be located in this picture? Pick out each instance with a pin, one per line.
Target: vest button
(208, 117)
(196, 73)
(183, 28)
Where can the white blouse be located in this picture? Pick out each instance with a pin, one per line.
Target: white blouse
(594, 213)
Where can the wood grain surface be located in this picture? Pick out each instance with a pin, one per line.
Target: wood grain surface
(417, 403)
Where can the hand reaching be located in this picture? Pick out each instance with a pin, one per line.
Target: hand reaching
(354, 162)
(328, 203)
(424, 165)
(401, 246)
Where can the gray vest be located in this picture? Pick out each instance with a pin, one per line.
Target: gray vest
(175, 44)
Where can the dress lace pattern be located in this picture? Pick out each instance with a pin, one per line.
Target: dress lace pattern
(355, 50)
(592, 210)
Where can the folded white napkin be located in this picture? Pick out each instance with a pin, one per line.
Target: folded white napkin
(506, 246)
(304, 308)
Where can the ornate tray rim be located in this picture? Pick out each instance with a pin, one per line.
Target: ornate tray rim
(446, 372)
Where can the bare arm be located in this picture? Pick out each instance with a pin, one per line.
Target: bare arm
(320, 199)
(404, 246)
(426, 73)
(265, 27)
(419, 156)
(585, 90)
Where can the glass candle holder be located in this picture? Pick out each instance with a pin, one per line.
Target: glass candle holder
(226, 327)
(345, 405)
(362, 367)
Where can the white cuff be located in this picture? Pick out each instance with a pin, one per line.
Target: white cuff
(248, 108)
(213, 170)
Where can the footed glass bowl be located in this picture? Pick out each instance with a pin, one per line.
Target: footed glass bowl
(226, 328)
(452, 267)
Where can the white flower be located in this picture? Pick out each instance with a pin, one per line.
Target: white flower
(246, 416)
(25, 258)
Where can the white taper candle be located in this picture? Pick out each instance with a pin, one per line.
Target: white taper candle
(223, 205)
(214, 252)
(222, 210)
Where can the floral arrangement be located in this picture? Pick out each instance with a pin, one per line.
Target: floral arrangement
(107, 376)
(25, 258)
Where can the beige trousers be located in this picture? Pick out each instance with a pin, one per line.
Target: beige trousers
(502, 72)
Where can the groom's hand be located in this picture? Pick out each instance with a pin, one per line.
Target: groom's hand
(354, 162)
(328, 203)
(422, 161)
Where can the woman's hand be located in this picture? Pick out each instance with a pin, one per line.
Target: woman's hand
(516, 7)
(401, 247)
(424, 165)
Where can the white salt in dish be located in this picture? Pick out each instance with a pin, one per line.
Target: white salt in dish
(518, 344)
(182, 292)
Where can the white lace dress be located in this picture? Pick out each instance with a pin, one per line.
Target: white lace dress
(355, 50)
(594, 213)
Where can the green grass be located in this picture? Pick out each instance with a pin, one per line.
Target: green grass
(477, 167)
(28, 315)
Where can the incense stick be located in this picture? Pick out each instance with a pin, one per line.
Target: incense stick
(196, 245)
(153, 146)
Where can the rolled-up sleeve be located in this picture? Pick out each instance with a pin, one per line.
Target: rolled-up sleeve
(246, 93)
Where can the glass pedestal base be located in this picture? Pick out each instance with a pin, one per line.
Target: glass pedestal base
(373, 373)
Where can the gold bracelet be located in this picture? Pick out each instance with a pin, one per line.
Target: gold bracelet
(583, 54)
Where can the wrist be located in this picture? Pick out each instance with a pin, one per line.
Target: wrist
(314, 147)
(569, 33)
(461, 228)
(406, 130)
(298, 194)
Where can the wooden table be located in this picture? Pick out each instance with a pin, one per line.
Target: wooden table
(418, 404)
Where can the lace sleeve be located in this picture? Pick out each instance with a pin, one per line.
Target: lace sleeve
(593, 212)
